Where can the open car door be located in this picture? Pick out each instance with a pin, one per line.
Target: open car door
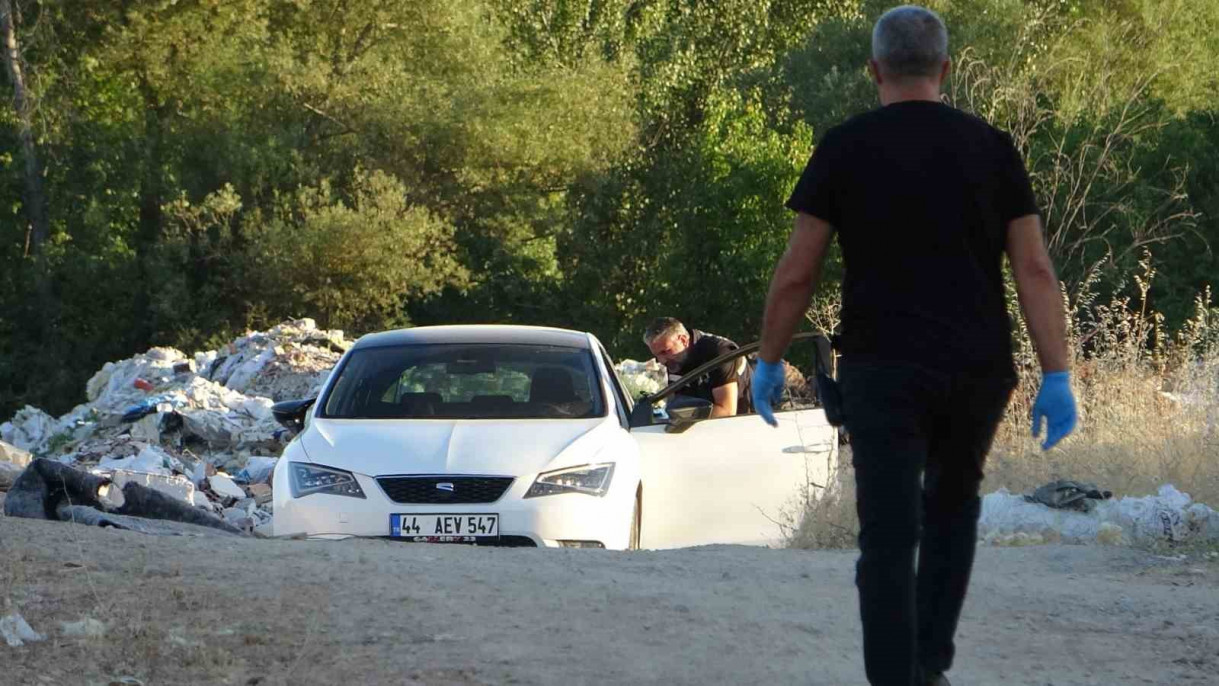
(732, 479)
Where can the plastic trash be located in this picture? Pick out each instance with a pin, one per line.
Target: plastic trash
(1168, 516)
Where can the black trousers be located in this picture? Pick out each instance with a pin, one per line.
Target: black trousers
(919, 439)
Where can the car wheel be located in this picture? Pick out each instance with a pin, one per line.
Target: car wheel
(635, 524)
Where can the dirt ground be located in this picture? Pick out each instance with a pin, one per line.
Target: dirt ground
(243, 611)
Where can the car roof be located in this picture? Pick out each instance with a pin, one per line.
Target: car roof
(476, 333)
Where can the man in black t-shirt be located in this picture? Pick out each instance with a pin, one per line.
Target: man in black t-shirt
(925, 201)
(682, 351)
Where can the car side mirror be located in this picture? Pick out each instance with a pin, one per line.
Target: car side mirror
(291, 413)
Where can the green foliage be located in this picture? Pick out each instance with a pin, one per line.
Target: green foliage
(221, 164)
(353, 266)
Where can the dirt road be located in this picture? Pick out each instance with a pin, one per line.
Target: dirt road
(229, 611)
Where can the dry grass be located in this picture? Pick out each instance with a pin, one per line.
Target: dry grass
(1149, 414)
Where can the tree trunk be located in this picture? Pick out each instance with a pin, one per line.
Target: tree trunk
(35, 203)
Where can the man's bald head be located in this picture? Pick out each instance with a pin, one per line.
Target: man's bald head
(910, 42)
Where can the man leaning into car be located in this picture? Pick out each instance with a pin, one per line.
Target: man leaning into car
(681, 351)
(924, 200)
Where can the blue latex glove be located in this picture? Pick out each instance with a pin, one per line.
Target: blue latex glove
(1056, 406)
(767, 389)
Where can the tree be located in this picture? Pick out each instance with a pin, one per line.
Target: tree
(35, 202)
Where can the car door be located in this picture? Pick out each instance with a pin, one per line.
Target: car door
(733, 479)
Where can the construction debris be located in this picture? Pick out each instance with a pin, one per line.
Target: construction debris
(181, 424)
(14, 455)
(52, 490)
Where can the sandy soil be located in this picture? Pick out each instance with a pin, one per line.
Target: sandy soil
(238, 611)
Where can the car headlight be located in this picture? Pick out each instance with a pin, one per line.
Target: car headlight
(590, 479)
(308, 479)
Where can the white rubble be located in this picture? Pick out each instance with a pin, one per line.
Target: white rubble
(1170, 515)
(164, 413)
(150, 460)
(225, 487)
(14, 455)
(29, 428)
(178, 487)
(16, 631)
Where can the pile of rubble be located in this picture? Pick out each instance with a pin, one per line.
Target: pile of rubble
(196, 427)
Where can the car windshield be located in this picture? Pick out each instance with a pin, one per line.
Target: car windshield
(475, 381)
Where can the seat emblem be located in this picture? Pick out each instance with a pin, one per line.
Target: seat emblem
(445, 486)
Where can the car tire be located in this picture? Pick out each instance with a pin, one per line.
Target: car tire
(636, 523)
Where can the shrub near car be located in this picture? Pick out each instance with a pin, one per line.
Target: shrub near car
(510, 435)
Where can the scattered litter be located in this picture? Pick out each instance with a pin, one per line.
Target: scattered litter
(85, 628)
(1169, 516)
(17, 632)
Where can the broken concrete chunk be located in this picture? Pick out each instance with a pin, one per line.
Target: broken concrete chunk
(147, 429)
(211, 426)
(14, 455)
(178, 487)
(225, 487)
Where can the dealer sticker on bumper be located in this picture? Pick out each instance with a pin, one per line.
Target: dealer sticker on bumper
(444, 528)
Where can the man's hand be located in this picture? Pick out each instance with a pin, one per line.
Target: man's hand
(767, 389)
(1056, 406)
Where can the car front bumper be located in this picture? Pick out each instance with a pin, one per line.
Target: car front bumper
(547, 521)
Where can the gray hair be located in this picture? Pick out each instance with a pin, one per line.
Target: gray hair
(663, 326)
(910, 41)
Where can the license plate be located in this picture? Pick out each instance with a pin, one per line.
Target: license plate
(444, 528)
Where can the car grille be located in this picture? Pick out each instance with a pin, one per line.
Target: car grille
(425, 490)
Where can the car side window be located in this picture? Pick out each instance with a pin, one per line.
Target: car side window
(624, 405)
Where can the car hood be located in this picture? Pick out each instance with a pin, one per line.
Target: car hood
(427, 446)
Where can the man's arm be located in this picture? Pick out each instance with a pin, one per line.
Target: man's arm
(791, 287)
(724, 400)
(1037, 287)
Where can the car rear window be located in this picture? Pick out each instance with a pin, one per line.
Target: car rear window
(475, 381)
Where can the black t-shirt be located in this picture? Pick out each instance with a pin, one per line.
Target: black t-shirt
(705, 347)
(920, 195)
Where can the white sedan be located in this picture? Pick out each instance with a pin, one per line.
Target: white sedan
(524, 436)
